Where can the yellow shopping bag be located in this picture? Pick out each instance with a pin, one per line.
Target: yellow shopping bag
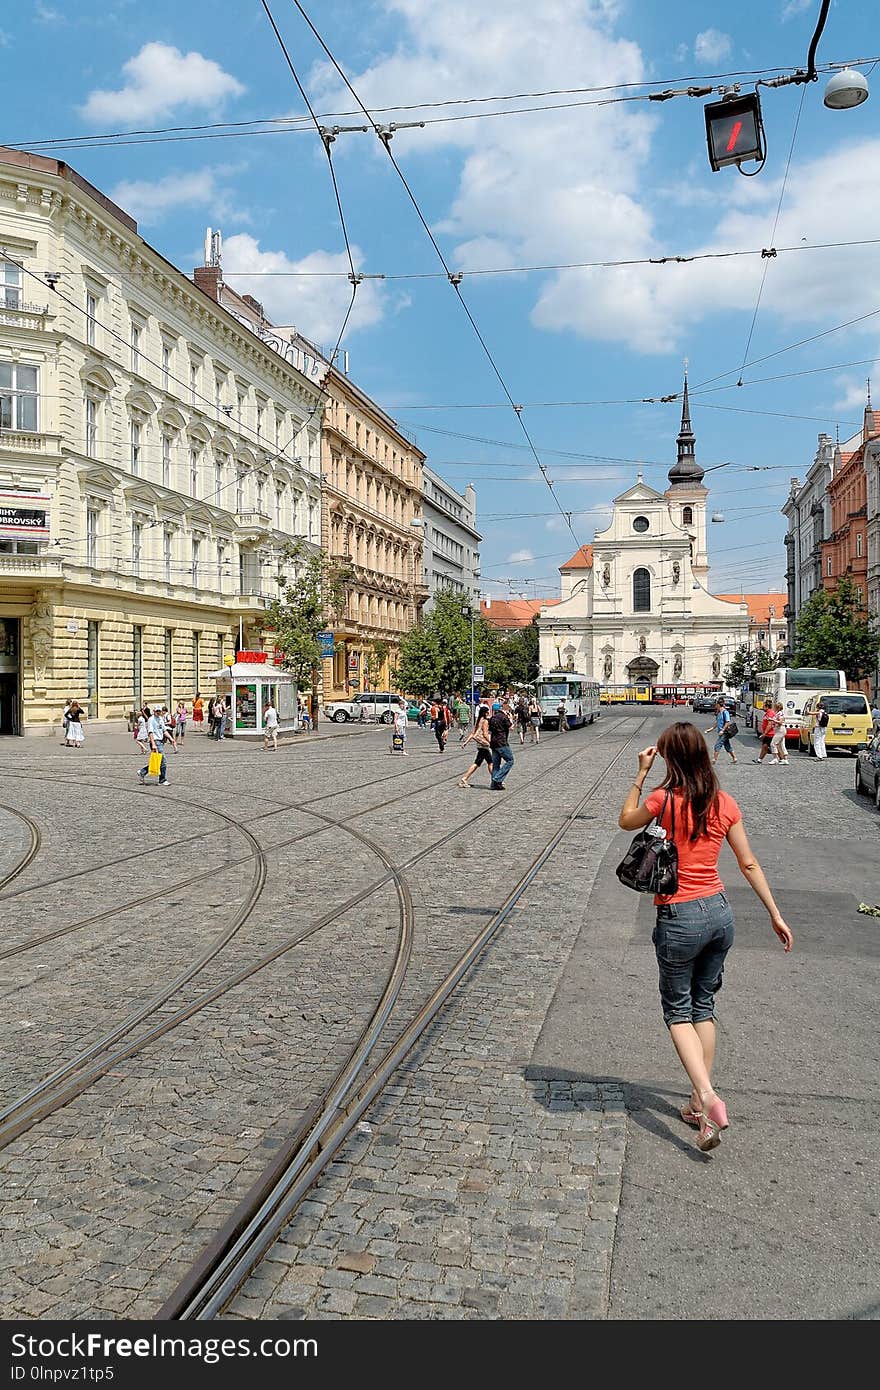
(154, 766)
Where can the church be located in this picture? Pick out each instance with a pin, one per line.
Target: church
(635, 605)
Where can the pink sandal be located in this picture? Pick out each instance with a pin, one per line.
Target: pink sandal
(713, 1121)
(691, 1117)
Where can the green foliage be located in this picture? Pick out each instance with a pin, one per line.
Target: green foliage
(520, 655)
(374, 662)
(833, 631)
(311, 588)
(746, 659)
(435, 657)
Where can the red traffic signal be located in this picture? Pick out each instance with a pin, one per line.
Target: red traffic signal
(734, 130)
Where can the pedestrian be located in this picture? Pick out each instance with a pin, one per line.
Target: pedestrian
(65, 720)
(170, 733)
(777, 743)
(74, 736)
(500, 725)
(156, 738)
(441, 720)
(875, 716)
(522, 718)
(479, 736)
(822, 719)
(422, 720)
(722, 719)
(694, 926)
(305, 717)
(535, 720)
(198, 712)
(398, 738)
(463, 712)
(140, 733)
(561, 717)
(270, 727)
(219, 718)
(180, 719)
(768, 726)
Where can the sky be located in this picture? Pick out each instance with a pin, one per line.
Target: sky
(578, 348)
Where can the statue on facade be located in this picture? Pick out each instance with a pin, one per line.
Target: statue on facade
(609, 666)
(606, 575)
(677, 669)
(716, 665)
(42, 631)
(643, 646)
(676, 572)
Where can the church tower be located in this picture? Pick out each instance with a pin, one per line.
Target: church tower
(686, 494)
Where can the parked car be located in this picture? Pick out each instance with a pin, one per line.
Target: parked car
(849, 720)
(412, 711)
(373, 704)
(868, 770)
(705, 704)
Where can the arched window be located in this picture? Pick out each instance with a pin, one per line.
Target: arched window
(641, 591)
(687, 516)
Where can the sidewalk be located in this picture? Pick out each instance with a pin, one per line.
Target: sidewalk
(781, 1221)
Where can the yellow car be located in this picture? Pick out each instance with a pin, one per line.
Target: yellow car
(849, 720)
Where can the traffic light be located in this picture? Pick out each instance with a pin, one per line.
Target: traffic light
(734, 130)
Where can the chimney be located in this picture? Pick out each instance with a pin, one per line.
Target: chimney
(208, 279)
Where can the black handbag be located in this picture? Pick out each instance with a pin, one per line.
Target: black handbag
(732, 728)
(650, 865)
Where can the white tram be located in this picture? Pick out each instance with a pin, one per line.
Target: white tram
(581, 696)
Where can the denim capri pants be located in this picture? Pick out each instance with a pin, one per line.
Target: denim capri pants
(691, 940)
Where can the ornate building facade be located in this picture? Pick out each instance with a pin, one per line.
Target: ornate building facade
(372, 493)
(635, 605)
(807, 510)
(156, 456)
(452, 541)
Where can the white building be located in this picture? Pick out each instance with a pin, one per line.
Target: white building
(156, 454)
(808, 512)
(452, 541)
(636, 605)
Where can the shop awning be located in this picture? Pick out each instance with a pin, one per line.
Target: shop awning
(247, 672)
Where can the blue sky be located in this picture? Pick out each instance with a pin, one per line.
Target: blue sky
(578, 183)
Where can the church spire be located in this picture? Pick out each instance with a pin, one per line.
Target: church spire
(686, 469)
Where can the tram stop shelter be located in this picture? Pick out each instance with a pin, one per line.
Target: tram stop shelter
(249, 685)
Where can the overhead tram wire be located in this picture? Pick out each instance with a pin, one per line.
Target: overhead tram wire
(454, 281)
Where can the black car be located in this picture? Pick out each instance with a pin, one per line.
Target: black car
(705, 704)
(868, 770)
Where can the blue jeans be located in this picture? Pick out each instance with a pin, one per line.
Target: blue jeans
(691, 941)
(163, 771)
(499, 756)
(723, 742)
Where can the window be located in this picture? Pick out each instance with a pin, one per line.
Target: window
(640, 523)
(91, 317)
(239, 492)
(19, 393)
(135, 347)
(166, 365)
(167, 553)
(687, 516)
(91, 410)
(858, 542)
(240, 407)
(261, 484)
(137, 535)
(92, 524)
(641, 591)
(169, 693)
(221, 565)
(10, 285)
(196, 553)
(860, 596)
(218, 480)
(135, 447)
(259, 421)
(193, 472)
(313, 521)
(193, 382)
(196, 639)
(137, 666)
(830, 569)
(219, 648)
(166, 460)
(92, 664)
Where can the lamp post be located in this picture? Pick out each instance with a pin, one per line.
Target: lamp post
(467, 611)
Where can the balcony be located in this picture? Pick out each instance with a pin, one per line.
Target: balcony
(30, 567)
(30, 442)
(253, 526)
(25, 316)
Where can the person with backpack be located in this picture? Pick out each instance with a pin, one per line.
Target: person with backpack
(694, 924)
(441, 721)
(723, 730)
(822, 718)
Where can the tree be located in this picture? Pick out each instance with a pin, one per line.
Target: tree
(520, 654)
(746, 659)
(435, 656)
(374, 662)
(832, 631)
(310, 591)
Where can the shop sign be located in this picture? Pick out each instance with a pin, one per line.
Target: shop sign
(252, 658)
(354, 683)
(354, 661)
(328, 644)
(23, 514)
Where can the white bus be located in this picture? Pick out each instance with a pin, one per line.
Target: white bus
(581, 696)
(792, 685)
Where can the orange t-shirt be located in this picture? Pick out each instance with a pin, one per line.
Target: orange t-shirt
(697, 860)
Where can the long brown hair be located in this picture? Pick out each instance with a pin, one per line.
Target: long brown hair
(689, 772)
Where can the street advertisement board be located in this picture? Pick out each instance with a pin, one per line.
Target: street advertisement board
(328, 644)
(245, 706)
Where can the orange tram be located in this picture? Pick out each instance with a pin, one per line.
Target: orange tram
(665, 694)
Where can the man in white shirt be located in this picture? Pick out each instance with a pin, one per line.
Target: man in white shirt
(156, 736)
(270, 727)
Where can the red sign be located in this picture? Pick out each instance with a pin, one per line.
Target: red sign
(252, 658)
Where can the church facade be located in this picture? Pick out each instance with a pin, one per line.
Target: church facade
(635, 606)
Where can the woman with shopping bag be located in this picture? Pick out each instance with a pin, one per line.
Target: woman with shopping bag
(156, 766)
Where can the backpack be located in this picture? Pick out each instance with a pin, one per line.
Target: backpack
(824, 718)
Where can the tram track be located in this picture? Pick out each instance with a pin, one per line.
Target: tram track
(75, 1076)
(238, 1247)
(32, 849)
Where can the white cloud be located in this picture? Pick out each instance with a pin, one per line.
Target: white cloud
(712, 45)
(795, 7)
(5, 39)
(149, 202)
(520, 557)
(44, 14)
(314, 303)
(159, 79)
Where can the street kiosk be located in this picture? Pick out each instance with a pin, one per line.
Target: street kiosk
(249, 684)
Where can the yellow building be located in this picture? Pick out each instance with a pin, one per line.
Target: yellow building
(371, 495)
(156, 456)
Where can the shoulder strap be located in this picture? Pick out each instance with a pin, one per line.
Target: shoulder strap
(668, 799)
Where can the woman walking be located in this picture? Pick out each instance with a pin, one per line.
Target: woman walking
(777, 745)
(441, 725)
(694, 929)
(535, 720)
(180, 718)
(74, 738)
(522, 718)
(479, 736)
(822, 722)
(198, 712)
(768, 726)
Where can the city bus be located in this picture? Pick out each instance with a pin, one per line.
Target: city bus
(581, 696)
(793, 685)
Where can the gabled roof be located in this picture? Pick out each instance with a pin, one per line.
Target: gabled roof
(582, 559)
(759, 605)
(513, 612)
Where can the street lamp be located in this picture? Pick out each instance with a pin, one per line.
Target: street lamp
(467, 611)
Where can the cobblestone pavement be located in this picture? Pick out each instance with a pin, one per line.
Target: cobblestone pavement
(107, 1200)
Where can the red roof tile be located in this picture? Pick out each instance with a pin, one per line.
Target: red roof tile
(513, 612)
(582, 559)
(759, 605)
